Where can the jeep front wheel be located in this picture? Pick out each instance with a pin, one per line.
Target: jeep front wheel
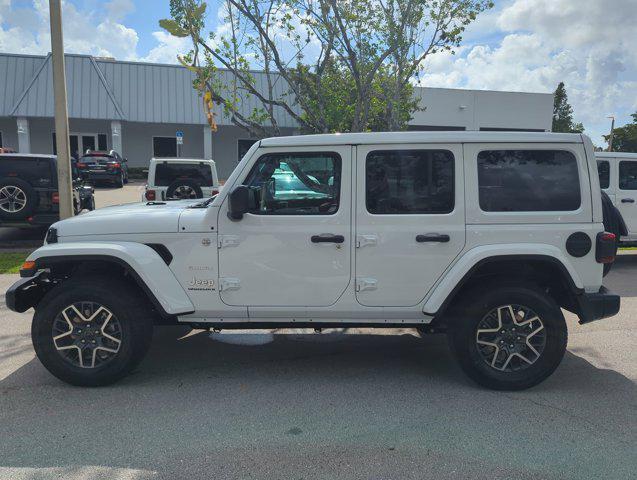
(508, 337)
(91, 331)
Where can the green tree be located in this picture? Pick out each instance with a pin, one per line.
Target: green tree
(331, 65)
(625, 138)
(563, 113)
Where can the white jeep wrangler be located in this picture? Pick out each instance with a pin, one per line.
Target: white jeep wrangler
(180, 179)
(484, 236)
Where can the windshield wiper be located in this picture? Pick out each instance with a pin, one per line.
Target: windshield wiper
(203, 204)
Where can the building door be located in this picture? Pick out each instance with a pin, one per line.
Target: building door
(293, 248)
(164, 147)
(409, 220)
(88, 143)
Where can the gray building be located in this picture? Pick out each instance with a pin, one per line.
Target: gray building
(138, 108)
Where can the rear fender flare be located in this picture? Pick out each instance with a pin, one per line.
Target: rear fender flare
(453, 280)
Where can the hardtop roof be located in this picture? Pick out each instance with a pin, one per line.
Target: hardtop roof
(421, 137)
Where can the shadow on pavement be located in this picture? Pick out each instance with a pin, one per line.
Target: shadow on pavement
(622, 278)
(317, 406)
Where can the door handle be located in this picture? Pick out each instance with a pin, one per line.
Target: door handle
(327, 238)
(432, 238)
(628, 200)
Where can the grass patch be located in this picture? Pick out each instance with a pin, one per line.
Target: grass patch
(10, 262)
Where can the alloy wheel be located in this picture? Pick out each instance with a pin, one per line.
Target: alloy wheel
(12, 199)
(511, 338)
(87, 334)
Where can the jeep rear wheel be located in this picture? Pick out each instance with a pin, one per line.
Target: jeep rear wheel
(91, 330)
(508, 337)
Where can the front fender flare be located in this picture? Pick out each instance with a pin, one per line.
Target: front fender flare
(457, 275)
(142, 262)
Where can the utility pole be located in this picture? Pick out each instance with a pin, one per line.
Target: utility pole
(612, 133)
(65, 186)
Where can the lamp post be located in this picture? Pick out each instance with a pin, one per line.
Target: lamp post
(612, 133)
(65, 186)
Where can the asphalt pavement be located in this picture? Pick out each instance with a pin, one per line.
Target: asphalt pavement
(338, 405)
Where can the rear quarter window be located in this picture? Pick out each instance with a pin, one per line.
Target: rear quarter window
(528, 181)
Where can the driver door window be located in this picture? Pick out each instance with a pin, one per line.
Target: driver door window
(295, 184)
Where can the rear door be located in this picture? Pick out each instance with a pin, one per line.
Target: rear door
(626, 197)
(410, 221)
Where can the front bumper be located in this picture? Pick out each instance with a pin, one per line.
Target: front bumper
(595, 306)
(26, 292)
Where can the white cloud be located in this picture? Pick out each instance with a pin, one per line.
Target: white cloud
(543, 42)
(168, 48)
(84, 31)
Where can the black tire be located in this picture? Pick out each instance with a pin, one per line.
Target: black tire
(119, 182)
(25, 192)
(132, 313)
(179, 185)
(475, 308)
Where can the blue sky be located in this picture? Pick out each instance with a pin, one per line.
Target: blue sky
(520, 45)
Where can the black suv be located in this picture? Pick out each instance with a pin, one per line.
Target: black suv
(98, 166)
(29, 190)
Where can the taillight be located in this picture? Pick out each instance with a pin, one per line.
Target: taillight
(81, 165)
(215, 192)
(150, 195)
(55, 198)
(114, 165)
(606, 247)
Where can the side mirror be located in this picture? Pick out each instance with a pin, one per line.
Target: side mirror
(238, 202)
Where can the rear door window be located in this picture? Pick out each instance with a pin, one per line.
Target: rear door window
(409, 182)
(627, 175)
(167, 173)
(528, 181)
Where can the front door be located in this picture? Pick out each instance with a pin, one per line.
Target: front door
(626, 198)
(410, 221)
(293, 247)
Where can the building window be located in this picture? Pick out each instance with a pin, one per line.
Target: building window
(528, 181)
(101, 142)
(434, 128)
(504, 129)
(164, 147)
(409, 182)
(603, 168)
(243, 146)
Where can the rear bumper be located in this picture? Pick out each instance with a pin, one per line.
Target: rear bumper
(105, 175)
(35, 220)
(595, 306)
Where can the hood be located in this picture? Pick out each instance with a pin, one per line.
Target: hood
(129, 218)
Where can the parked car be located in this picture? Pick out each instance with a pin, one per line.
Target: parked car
(482, 236)
(29, 190)
(618, 179)
(181, 178)
(99, 166)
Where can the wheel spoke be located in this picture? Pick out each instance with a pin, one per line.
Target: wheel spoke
(500, 346)
(82, 346)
